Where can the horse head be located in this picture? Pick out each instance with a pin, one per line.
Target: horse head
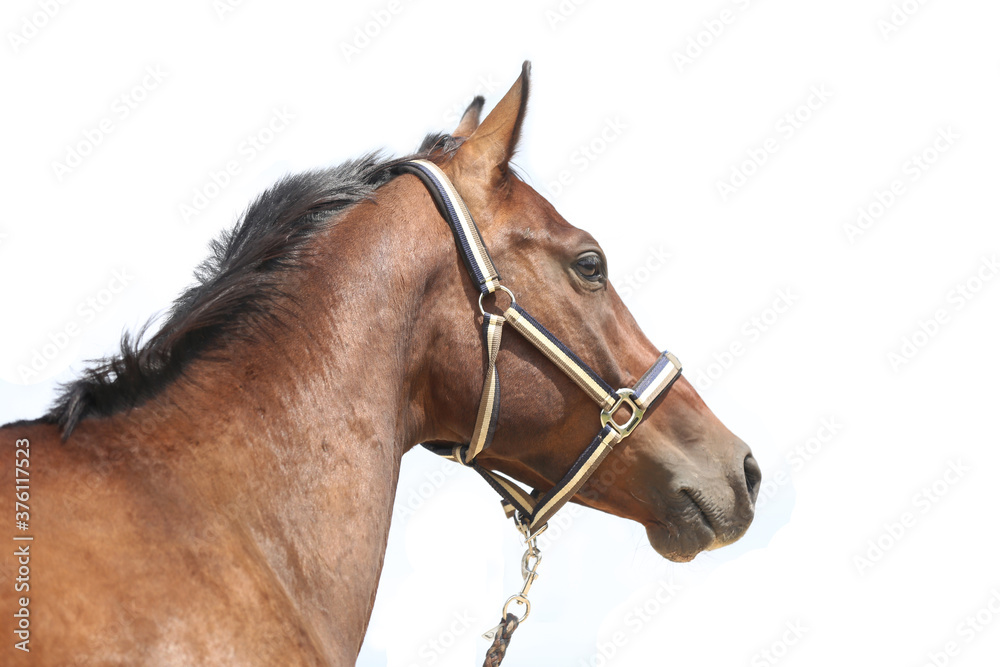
(682, 474)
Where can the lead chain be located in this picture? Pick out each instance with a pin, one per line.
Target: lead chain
(529, 572)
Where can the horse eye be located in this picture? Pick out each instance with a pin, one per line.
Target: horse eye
(590, 267)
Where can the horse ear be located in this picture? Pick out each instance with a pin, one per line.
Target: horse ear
(470, 119)
(485, 154)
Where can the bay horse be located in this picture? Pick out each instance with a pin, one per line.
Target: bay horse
(220, 491)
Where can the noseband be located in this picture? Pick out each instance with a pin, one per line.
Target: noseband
(531, 511)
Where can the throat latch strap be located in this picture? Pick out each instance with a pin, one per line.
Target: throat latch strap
(533, 509)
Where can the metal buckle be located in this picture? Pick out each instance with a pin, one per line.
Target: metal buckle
(607, 416)
(482, 310)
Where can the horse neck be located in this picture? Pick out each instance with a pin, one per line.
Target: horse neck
(307, 427)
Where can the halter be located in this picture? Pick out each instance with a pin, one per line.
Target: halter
(531, 511)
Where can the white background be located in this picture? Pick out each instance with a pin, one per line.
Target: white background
(828, 554)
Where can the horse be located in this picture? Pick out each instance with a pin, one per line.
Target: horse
(220, 491)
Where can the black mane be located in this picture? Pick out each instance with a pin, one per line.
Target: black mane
(237, 287)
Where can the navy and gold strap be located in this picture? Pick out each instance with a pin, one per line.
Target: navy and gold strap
(657, 380)
(585, 466)
(582, 374)
(489, 403)
(477, 259)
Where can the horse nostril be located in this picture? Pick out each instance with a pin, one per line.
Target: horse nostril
(753, 475)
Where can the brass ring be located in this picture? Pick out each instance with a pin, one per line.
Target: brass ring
(522, 600)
